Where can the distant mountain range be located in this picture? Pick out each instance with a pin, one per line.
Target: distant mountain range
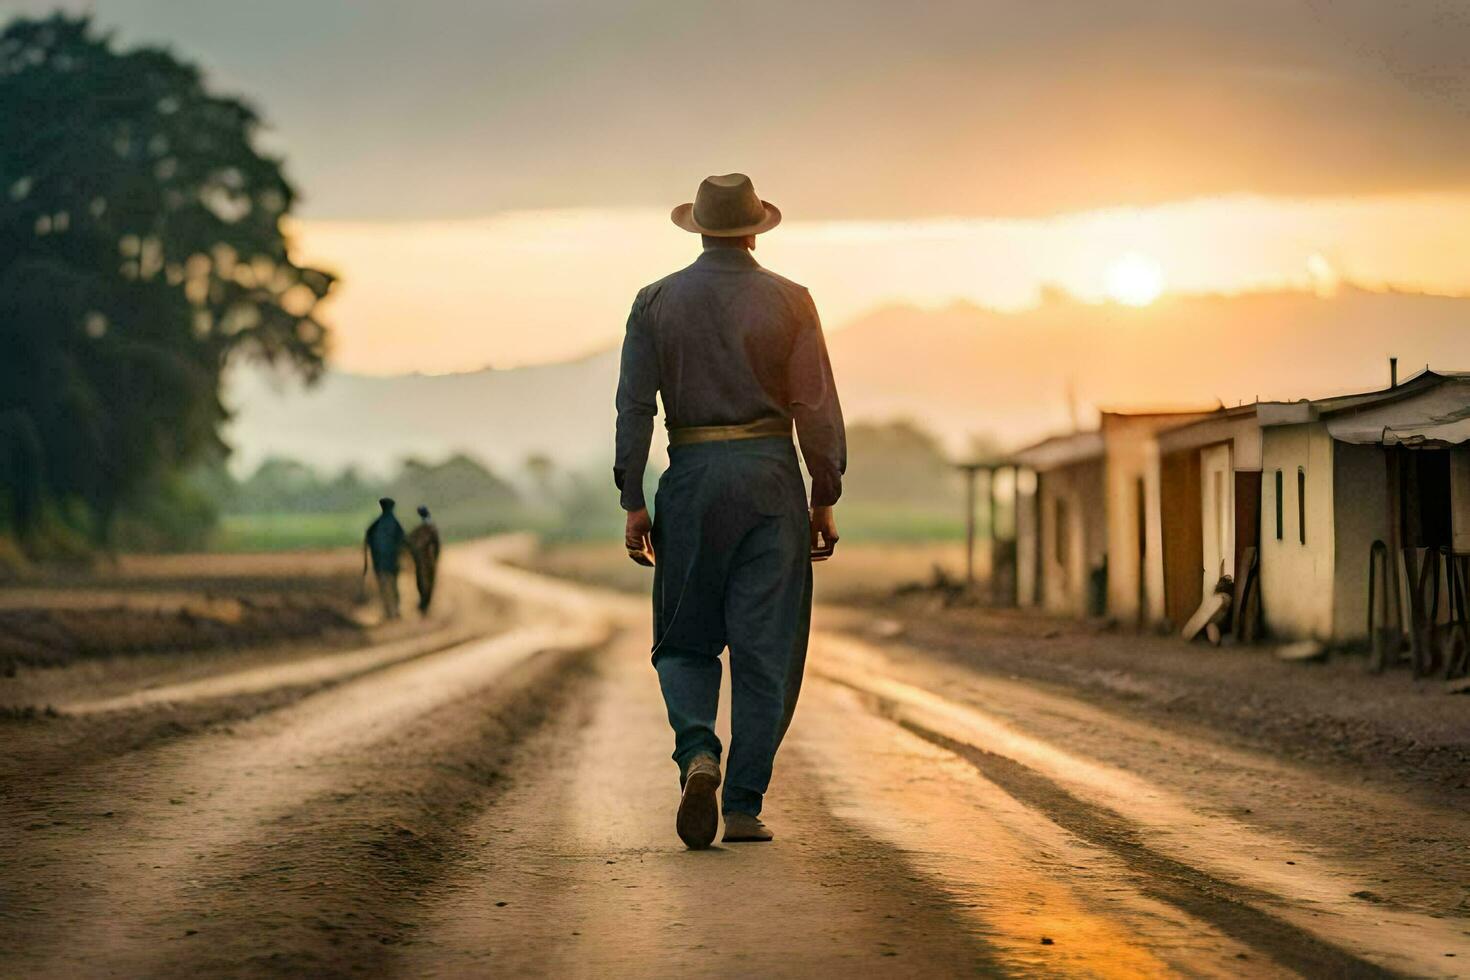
(961, 371)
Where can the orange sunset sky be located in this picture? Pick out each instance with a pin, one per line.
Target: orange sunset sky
(492, 180)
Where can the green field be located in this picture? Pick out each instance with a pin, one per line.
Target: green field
(294, 532)
(290, 532)
(284, 531)
(879, 522)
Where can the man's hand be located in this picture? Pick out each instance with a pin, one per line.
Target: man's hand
(638, 536)
(824, 533)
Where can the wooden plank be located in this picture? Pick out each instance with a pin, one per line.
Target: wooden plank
(1245, 581)
(969, 525)
(1209, 611)
(1183, 536)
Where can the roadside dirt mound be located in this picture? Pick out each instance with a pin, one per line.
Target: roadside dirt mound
(47, 634)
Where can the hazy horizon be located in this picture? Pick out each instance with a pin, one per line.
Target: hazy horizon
(1047, 295)
(960, 371)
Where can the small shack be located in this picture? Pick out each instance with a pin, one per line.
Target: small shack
(1339, 474)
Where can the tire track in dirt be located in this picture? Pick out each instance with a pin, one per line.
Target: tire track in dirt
(1409, 852)
(1311, 900)
(1112, 927)
(1241, 882)
(311, 672)
(336, 885)
(131, 703)
(1233, 909)
(577, 872)
(1047, 902)
(92, 894)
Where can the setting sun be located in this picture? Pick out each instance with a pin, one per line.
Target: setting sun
(1135, 279)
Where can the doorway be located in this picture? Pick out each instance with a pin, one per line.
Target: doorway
(1217, 513)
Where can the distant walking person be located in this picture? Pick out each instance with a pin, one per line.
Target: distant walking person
(423, 544)
(737, 353)
(382, 543)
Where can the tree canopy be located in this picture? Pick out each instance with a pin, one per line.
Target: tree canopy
(141, 251)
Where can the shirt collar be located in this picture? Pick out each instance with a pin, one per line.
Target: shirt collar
(727, 258)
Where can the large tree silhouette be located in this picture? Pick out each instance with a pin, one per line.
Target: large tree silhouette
(141, 251)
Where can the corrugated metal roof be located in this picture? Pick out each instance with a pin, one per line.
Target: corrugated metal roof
(1435, 416)
(1311, 410)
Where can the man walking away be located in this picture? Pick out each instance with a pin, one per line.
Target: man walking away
(423, 544)
(737, 354)
(382, 543)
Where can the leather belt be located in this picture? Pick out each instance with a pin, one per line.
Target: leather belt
(761, 429)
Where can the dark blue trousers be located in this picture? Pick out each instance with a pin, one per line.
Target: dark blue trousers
(731, 536)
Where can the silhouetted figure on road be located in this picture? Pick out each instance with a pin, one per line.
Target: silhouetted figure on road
(423, 544)
(737, 354)
(382, 543)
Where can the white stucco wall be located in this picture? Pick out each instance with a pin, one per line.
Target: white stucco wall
(1153, 569)
(1360, 516)
(1298, 580)
(1217, 514)
(1125, 468)
(1064, 584)
(1028, 545)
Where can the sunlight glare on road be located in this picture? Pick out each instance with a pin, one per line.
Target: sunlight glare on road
(1135, 279)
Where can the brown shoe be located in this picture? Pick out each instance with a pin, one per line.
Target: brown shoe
(699, 809)
(742, 828)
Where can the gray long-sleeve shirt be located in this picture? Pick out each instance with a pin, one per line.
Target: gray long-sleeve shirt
(726, 342)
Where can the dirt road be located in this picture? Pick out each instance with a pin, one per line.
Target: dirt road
(502, 805)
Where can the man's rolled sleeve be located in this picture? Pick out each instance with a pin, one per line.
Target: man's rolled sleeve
(637, 402)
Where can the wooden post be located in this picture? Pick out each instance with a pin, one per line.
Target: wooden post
(1393, 461)
(970, 525)
(994, 538)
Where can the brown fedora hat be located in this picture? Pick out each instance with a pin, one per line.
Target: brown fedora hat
(726, 207)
